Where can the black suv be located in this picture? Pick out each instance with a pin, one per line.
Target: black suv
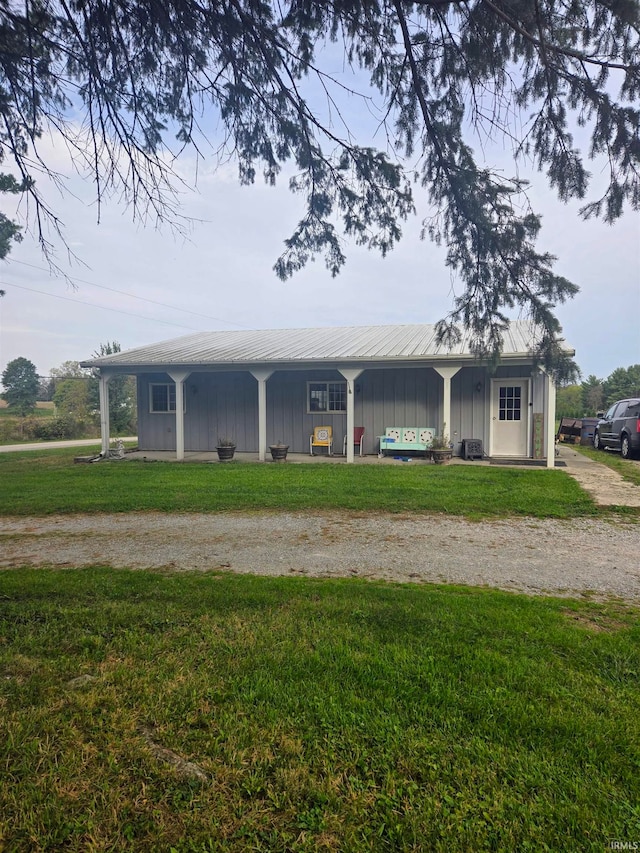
(620, 428)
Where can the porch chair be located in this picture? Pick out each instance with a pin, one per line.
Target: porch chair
(322, 437)
(358, 441)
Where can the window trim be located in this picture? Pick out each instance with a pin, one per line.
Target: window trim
(326, 383)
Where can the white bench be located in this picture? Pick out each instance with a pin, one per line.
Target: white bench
(400, 439)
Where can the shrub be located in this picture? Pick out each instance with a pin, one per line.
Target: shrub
(10, 430)
(58, 428)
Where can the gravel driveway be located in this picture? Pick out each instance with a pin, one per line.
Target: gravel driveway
(598, 557)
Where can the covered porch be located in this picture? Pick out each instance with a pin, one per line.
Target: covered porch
(268, 387)
(364, 396)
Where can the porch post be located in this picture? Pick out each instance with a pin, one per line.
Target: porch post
(103, 390)
(447, 374)
(262, 376)
(179, 377)
(550, 420)
(350, 375)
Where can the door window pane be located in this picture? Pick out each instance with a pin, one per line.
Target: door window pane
(510, 403)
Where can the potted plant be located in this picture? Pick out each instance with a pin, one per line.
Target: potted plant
(279, 451)
(441, 448)
(226, 448)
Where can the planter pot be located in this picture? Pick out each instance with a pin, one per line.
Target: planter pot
(279, 452)
(441, 456)
(225, 454)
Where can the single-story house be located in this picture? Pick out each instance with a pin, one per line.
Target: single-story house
(277, 385)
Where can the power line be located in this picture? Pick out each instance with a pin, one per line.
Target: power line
(133, 296)
(100, 307)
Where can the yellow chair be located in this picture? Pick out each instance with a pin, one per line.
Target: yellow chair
(322, 437)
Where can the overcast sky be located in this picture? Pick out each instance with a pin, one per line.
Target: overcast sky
(141, 285)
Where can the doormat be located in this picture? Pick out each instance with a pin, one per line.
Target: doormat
(527, 463)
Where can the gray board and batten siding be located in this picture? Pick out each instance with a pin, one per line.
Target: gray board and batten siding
(224, 403)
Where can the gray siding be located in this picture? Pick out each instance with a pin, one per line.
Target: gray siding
(383, 398)
(217, 405)
(388, 397)
(221, 405)
(225, 403)
(469, 407)
(287, 416)
(156, 431)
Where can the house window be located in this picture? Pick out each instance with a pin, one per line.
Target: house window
(327, 396)
(162, 397)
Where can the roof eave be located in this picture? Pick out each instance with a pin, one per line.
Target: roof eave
(333, 361)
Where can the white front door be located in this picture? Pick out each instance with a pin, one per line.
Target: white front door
(510, 417)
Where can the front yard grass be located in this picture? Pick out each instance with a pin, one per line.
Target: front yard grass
(317, 716)
(45, 482)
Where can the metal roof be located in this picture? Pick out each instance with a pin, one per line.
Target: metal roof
(341, 344)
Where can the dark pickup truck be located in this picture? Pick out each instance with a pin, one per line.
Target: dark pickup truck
(619, 429)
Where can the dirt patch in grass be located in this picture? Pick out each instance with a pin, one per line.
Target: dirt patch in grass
(596, 621)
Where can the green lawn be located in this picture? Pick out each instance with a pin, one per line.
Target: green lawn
(43, 482)
(317, 715)
(324, 715)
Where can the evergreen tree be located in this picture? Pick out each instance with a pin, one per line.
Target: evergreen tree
(592, 396)
(10, 231)
(623, 382)
(138, 77)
